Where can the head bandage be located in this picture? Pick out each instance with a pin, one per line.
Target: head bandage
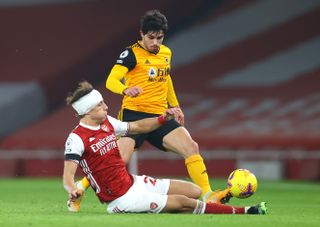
(87, 102)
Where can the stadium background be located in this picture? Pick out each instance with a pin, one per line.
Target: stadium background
(246, 72)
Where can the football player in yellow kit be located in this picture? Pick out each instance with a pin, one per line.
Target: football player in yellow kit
(142, 75)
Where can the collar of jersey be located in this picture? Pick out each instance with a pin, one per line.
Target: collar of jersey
(95, 128)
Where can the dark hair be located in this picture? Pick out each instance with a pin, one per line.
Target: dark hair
(84, 87)
(153, 20)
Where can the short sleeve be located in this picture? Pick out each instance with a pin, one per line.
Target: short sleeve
(121, 128)
(74, 148)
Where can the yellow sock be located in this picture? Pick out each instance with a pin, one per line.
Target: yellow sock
(198, 172)
(83, 183)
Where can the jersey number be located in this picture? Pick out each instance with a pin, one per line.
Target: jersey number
(150, 180)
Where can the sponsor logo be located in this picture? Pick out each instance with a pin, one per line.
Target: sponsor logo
(147, 62)
(104, 145)
(117, 210)
(105, 128)
(152, 72)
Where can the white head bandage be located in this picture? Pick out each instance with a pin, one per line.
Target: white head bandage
(87, 102)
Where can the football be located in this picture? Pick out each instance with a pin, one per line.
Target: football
(242, 183)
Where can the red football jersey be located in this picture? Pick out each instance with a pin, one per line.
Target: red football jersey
(100, 158)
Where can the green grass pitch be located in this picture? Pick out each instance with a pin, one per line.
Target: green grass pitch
(42, 202)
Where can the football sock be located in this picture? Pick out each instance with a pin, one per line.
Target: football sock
(215, 208)
(200, 207)
(83, 184)
(198, 172)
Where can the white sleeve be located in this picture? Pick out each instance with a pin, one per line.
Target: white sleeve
(121, 128)
(74, 147)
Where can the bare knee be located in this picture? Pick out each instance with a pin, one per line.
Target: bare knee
(126, 156)
(126, 148)
(180, 187)
(190, 148)
(179, 203)
(195, 191)
(180, 142)
(194, 147)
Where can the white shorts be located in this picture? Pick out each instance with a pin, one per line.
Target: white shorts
(146, 195)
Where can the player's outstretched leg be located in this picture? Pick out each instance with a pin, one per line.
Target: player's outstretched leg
(215, 208)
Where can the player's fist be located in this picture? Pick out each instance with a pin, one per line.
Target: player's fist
(132, 91)
(177, 114)
(75, 194)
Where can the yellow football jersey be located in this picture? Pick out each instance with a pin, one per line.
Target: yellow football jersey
(151, 72)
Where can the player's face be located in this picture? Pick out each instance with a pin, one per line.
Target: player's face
(152, 40)
(99, 113)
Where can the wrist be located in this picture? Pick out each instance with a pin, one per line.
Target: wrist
(162, 119)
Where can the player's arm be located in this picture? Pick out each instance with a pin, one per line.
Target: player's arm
(69, 171)
(74, 148)
(125, 62)
(173, 101)
(113, 82)
(171, 98)
(115, 85)
(149, 124)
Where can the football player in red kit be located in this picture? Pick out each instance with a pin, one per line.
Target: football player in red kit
(93, 145)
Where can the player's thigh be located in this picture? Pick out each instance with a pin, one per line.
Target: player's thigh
(139, 198)
(180, 141)
(138, 201)
(180, 204)
(156, 137)
(186, 188)
(154, 185)
(131, 115)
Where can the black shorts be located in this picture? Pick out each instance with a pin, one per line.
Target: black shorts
(155, 137)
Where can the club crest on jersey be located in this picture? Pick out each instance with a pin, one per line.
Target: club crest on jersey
(166, 60)
(105, 128)
(153, 205)
(152, 72)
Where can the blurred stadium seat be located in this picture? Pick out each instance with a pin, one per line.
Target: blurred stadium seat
(247, 74)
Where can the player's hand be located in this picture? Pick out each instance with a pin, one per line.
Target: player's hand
(169, 114)
(174, 113)
(179, 116)
(75, 194)
(133, 91)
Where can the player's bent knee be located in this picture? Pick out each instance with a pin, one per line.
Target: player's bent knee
(195, 191)
(183, 201)
(194, 148)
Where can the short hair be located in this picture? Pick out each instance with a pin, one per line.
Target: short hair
(153, 20)
(83, 88)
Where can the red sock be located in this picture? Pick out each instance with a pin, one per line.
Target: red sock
(215, 208)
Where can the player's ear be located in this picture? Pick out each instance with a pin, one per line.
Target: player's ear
(141, 34)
